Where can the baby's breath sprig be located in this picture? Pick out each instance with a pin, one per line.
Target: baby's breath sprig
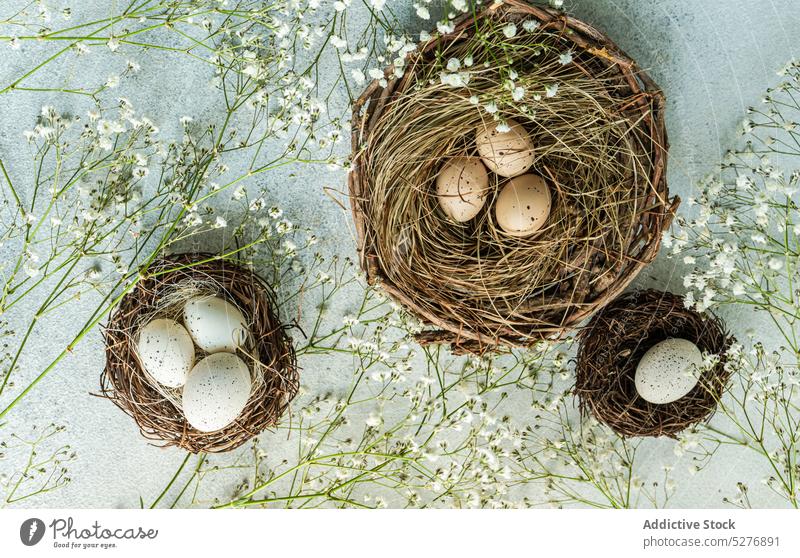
(743, 240)
(742, 244)
(580, 462)
(34, 464)
(762, 415)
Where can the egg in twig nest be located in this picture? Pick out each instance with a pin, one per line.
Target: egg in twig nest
(462, 186)
(523, 205)
(508, 153)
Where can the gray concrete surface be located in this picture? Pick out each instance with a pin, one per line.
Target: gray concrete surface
(712, 59)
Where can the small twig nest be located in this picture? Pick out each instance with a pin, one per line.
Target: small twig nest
(162, 293)
(597, 125)
(612, 346)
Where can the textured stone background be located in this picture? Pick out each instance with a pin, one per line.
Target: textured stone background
(712, 59)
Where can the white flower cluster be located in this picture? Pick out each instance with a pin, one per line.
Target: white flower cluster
(743, 239)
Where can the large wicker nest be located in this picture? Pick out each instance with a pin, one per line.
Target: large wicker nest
(614, 342)
(162, 293)
(600, 142)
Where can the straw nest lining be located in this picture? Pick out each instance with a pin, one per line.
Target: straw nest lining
(600, 143)
(162, 293)
(614, 342)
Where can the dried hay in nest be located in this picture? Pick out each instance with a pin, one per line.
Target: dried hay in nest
(600, 142)
(162, 293)
(614, 342)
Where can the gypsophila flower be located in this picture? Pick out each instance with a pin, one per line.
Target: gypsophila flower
(510, 30)
(775, 264)
(358, 76)
(445, 27)
(350, 321)
(453, 65)
(460, 79)
(530, 25)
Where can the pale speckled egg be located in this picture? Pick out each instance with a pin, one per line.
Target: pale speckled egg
(523, 205)
(166, 351)
(462, 186)
(216, 391)
(505, 153)
(668, 371)
(215, 324)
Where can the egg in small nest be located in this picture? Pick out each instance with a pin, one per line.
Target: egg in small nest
(508, 153)
(216, 392)
(668, 371)
(215, 324)
(166, 351)
(523, 205)
(461, 187)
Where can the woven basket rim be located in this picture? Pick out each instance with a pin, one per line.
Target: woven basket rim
(128, 387)
(658, 218)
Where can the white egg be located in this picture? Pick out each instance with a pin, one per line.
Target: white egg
(668, 371)
(216, 391)
(215, 324)
(166, 351)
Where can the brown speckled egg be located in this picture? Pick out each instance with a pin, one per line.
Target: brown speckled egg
(523, 205)
(461, 187)
(505, 153)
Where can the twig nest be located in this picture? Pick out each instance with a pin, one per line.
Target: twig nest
(523, 205)
(640, 367)
(462, 186)
(245, 372)
(583, 141)
(508, 152)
